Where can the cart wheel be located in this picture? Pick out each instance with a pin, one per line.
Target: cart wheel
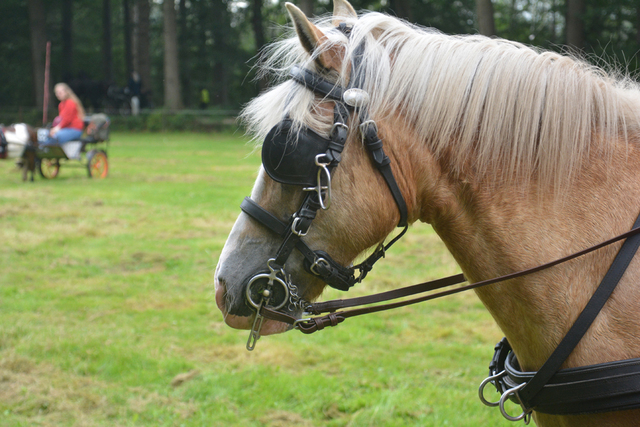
(97, 164)
(49, 168)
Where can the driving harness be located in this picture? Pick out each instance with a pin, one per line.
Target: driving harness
(301, 157)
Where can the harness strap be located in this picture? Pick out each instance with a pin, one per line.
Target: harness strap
(612, 386)
(316, 83)
(583, 322)
(334, 274)
(383, 164)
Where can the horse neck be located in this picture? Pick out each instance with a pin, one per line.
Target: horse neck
(492, 230)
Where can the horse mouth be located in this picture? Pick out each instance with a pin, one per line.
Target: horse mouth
(269, 327)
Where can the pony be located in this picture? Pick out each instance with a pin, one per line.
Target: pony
(22, 141)
(515, 156)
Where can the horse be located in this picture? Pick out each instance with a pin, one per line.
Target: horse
(515, 156)
(22, 141)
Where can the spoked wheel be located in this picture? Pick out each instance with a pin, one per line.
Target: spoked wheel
(49, 168)
(97, 164)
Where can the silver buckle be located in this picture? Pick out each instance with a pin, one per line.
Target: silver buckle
(294, 227)
(317, 262)
(325, 201)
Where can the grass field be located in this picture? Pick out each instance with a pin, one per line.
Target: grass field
(107, 314)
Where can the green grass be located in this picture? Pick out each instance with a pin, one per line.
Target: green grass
(106, 296)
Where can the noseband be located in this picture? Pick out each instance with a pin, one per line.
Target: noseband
(305, 158)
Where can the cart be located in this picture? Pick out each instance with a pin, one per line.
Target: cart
(90, 150)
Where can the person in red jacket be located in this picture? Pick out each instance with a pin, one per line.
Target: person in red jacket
(69, 123)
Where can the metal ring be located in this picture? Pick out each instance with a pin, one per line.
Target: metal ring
(267, 276)
(504, 398)
(484, 383)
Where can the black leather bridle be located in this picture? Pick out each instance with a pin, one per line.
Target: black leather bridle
(302, 157)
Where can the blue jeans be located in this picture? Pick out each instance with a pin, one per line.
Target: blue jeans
(63, 135)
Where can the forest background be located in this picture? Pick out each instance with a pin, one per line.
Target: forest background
(181, 47)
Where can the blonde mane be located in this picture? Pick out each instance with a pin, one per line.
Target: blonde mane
(493, 104)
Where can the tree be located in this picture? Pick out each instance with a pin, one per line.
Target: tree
(306, 6)
(67, 39)
(128, 39)
(142, 45)
(172, 92)
(486, 23)
(37, 24)
(401, 9)
(107, 59)
(575, 23)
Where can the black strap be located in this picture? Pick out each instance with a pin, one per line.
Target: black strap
(316, 83)
(383, 164)
(334, 274)
(584, 320)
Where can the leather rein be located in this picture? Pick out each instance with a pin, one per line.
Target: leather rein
(314, 324)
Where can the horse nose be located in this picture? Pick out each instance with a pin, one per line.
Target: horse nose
(230, 304)
(221, 291)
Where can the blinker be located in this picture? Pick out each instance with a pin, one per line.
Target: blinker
(289, 157)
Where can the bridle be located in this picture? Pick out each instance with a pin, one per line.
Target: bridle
(304, 158)
(309, 163)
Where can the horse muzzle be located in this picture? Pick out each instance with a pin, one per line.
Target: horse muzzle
(273, 290)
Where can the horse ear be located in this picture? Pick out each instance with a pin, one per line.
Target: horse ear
(311, 37)
(342, 9)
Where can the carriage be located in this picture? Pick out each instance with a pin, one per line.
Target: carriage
(90, 150)
(23, 142)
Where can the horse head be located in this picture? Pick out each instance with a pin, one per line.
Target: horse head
(318, 201)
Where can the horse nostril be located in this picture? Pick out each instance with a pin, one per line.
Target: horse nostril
(230, 299)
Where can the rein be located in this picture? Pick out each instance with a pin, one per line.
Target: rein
(311, 325)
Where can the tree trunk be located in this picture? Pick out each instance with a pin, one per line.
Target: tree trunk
(575, 23)
(107, 58)
(142, 48)
(183, 51)
(258, 34)
(306, 6)
(38, 31)
(67, 37)
(486, 22)
(128, 52)
(638, 26)
(172, 99)
(401, 9)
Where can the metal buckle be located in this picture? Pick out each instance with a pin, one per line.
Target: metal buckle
(337, 125)
(325, 201)
(363, 126)
(316, 263)
(294, 227)
(298, 321)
